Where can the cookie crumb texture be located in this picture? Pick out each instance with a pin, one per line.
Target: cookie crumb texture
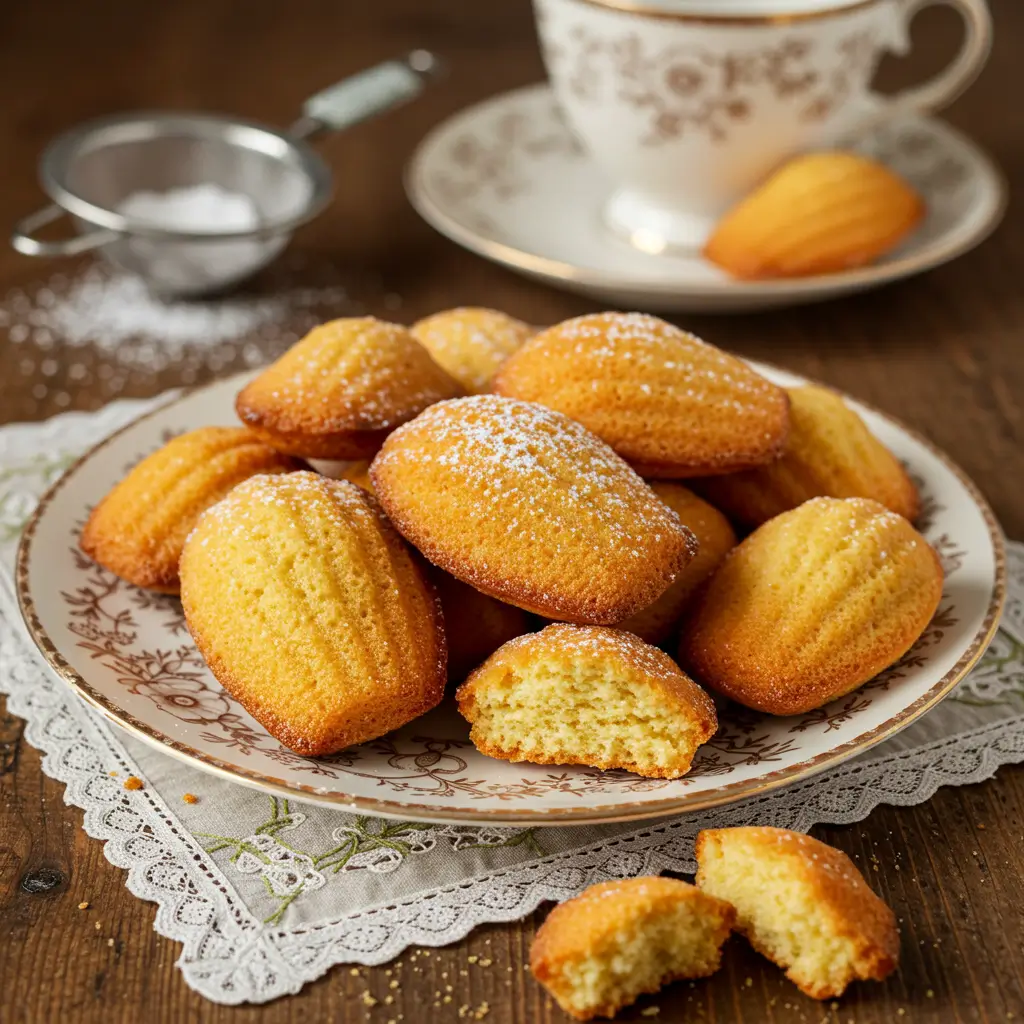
(587, 695)
(802, 904)
(618, 940)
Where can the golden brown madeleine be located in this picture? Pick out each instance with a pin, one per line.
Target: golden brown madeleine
(667, 402)
(715, 539)
(802, 904)
(818, 214)
(530, 507)
(598, 952)
(342, 389)
(475, 625)
(137, 531)
(587, 695)
(811, 605)
(830, 453)
(312, 612)
(471, 343)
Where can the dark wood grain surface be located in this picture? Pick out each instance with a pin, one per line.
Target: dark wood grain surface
(944, 351)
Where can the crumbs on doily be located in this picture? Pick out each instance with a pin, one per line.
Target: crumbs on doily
(117, 315)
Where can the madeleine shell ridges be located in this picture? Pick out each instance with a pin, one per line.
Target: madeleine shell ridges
(811, 605)
(528, 506)
(338, 392)
(830, 453)
(138, 530)
(312, 612)
(667, 402)
(819, 213)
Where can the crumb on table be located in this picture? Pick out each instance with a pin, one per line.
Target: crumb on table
(132, 782)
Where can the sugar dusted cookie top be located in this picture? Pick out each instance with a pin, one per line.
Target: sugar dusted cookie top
(471, 343)
(529, 506)
(338, 392)
(668, 403)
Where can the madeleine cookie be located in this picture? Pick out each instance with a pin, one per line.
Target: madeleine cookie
(342, 389)
(471, 343)
(802, 904)
(715, 538)
(312, 613)
(138, 530)
(587, 695)
(530, 507)
(830, 453)
(668, 403)
(598, 952)
(812, 604)
(475, 625)
(818, 214)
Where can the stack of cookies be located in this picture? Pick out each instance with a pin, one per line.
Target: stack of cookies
(548, 521)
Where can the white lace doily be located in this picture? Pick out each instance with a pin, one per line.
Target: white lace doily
(265, 895)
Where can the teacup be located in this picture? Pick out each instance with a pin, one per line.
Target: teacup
(689, 104)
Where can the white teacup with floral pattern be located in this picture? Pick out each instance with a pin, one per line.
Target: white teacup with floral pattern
(689, 104)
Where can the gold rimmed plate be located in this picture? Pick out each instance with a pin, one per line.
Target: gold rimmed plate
(128, 654)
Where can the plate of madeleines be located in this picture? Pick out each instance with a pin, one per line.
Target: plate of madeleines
(469, 570)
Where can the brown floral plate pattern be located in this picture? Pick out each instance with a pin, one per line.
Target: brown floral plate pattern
(127, 653)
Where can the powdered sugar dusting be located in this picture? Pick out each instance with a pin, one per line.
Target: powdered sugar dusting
(658, 395)
(117, 315)
(353, 373)
(471, 342)
(529, 506)
(512, 454)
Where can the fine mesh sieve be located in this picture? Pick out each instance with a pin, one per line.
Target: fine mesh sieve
(89, 171)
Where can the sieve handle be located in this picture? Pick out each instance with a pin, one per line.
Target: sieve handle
(366, 94)
(24, 240)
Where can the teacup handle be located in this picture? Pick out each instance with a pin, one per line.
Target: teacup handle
(941, 90)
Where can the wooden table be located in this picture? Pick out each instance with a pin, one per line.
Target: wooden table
(945, 351)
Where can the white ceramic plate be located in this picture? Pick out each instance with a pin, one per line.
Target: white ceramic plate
(507, 179)
(128, 653)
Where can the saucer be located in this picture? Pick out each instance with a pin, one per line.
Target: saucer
(507, 179)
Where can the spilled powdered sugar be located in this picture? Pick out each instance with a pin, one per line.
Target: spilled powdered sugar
(115, 313)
